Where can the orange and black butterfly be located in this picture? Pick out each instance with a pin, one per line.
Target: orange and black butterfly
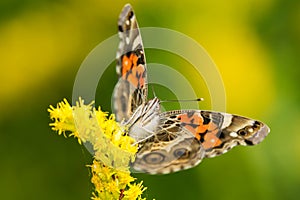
(173, 140)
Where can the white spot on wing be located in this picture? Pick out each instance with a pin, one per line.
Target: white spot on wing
(250, 130)
(227, 121)
(233, 134)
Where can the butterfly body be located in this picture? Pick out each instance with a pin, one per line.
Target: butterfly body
(145, 120)
(173, 140)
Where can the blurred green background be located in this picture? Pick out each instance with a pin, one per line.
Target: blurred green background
(254, 43)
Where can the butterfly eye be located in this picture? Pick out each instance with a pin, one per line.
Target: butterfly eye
(154, 158)
(181, 153)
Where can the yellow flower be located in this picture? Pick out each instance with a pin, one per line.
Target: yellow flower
(63, 117)
(135, 191)
(110, 183)
(113, 148)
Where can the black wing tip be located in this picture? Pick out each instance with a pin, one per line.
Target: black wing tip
(126, 9)
(126, 13)
(260, 135)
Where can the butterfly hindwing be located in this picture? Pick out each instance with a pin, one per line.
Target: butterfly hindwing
(169, 151)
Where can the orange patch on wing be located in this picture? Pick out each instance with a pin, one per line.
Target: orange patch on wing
(128, 63)
(194, 124)
(211, 139)
(212, 126)
(133, 72)
(208, 132)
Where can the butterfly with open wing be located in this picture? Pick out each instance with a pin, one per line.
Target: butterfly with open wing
(173, 140)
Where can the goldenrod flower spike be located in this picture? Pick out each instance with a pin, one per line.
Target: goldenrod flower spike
(63, 117)
(113, 150)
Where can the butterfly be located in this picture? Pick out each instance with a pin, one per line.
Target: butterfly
(173, 140)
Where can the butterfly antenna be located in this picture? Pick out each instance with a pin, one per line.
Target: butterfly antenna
(182, 100)
(153, 91)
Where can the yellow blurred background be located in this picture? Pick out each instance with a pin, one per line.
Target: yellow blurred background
(255, 44)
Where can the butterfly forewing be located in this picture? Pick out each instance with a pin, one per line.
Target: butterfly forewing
(131, 89)
(217, 132)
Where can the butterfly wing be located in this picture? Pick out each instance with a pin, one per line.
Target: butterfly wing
(169, 151)
(217, 132)
(131, 89)
(184, 137)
